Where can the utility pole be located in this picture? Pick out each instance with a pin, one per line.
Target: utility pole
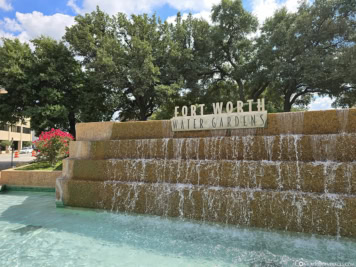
(12, 152)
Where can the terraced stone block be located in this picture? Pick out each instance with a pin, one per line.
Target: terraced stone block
(341, 148)
(307, 123)
(321, 177)
(290, 210)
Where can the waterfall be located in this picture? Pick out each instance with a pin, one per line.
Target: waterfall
(297, 174)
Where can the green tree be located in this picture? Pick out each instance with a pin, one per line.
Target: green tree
(93, 40)
(347, 65)
(15, 64)
(46, 85)
(213, 61)
(4, 145)
(301, 51)
(57, 85)
(233, 45)
(131, 57)
(191, 64)
(27, 144)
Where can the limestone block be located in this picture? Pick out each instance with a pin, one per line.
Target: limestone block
(333, 147)
(321, 177)
(46, 179)
(307, 123)
(290, 210)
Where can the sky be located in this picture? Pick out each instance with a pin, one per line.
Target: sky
(28, 19)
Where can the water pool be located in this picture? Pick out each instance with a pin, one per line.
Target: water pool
(34, 233)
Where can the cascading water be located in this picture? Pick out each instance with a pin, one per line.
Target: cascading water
(284, 177)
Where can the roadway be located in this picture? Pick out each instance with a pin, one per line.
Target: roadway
(5, 160)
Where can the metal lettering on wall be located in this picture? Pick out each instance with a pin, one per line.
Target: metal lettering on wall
(234, 117)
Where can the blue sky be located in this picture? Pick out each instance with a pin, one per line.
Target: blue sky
(164, 9)
(28, 19)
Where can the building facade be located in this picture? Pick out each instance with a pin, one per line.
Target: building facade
(18, 132)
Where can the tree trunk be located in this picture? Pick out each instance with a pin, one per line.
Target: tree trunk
(259, 91)
(72, 122)
(142, 116)
(241, 90)
(287, 104)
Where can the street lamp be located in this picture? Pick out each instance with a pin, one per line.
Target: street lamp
(2, 91)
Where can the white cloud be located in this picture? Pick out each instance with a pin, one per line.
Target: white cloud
(140, 6)
(112, 6)
(292, 5)
(73, 5)
(204, 15)
(5, 5)
(321, 103)
(263, 9)
(35, 24)
(5, 35)
(11, 25)
(194, 5)
(32, 25)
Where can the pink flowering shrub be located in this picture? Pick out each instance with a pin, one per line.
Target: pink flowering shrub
(53, 146)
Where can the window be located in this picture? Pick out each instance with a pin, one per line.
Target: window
(16, 129)
(4, 127)
(26, 130)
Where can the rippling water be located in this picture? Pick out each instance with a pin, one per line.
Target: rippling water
(34, 233)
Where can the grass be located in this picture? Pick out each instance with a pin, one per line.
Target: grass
(41, 166)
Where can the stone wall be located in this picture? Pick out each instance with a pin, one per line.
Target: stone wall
(297, 174)
(36, 179)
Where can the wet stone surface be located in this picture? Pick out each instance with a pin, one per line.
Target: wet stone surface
(297, 174)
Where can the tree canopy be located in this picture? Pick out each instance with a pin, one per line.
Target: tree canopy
(302, 50)
(46, 85)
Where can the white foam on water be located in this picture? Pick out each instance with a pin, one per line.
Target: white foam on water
(343, 118)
